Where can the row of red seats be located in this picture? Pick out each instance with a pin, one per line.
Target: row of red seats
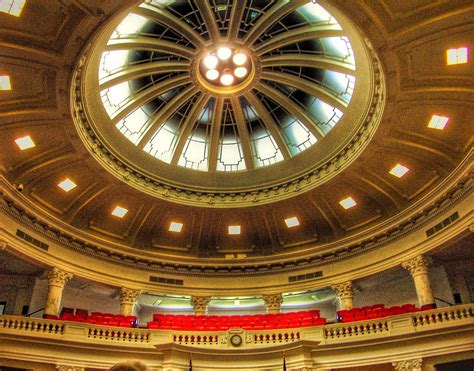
(108, 319)
(374, 311)
(246, 322)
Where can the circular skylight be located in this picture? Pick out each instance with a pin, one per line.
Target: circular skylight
(225, 88)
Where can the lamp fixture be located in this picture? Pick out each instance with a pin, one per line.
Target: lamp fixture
(225, 66)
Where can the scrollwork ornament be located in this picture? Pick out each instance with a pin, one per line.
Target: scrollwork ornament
(57, 277)
(408, 365)
(273, 302)
(418, 265)
(200, 304)
(128, 296)
(344, 289)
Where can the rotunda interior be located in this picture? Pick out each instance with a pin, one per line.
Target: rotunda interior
(236, 184)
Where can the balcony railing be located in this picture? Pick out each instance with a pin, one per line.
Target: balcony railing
(405, 324)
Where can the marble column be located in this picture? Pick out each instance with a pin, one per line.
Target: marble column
(345, 294)
(273, 303)
(200, 304)
(57, 279)
(128, 299)
(418, 268)
(407, 365)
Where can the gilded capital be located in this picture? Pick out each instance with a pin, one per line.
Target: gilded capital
(200, 304)
(344, 289)
(57, 277)
(417, 265)
(273, 302)
(408, 365)
(128, 296)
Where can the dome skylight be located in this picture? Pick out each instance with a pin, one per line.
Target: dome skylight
(272, 91)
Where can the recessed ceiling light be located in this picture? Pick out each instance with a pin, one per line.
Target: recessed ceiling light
(119, 212)
(25, 142)
(240, 72)
(227, 79)
(347, 203)
(5, 82)
(234, 229)
(224, 53)
(212, 74)
(13, 7)
(399, 170)
(457, 55)
(239, 59)
(292, 222)
(176, 227)
(67, 184)
(438, 122)
(210, 61)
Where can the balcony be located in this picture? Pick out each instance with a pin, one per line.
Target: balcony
(411, 335)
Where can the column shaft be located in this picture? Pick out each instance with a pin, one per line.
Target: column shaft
(418, 268)
(57, 279)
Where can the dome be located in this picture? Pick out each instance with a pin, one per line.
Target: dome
(74, 173)
(150, 90)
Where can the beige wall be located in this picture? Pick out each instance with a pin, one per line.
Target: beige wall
(16, 291)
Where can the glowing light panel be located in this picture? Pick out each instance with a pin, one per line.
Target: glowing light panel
(457, 56)
(347, 203)
(12, 7)
(25, 142)
(67, 184)
(119, 212)
(292, 222)
(234, 229)
(175, 227)
(438, 122)
(399, 170)
(5, 83)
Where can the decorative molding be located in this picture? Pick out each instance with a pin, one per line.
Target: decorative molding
(200, 304)
(411, 221)
(408, 365)
(69, 368)
(129, 296)
(57, 277)
(164, 189)
(273, 302)
(344, 289)
(418, 265)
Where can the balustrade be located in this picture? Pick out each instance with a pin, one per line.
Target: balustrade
(409, 323)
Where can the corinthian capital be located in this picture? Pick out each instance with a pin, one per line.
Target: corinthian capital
(128, 296)
(344, 289)
(273, 302)
(200, 304)
(417, 265)
(57, 277)
(408, 365)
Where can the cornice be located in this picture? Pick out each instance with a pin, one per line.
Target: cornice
(164, 189)
(453, 190)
